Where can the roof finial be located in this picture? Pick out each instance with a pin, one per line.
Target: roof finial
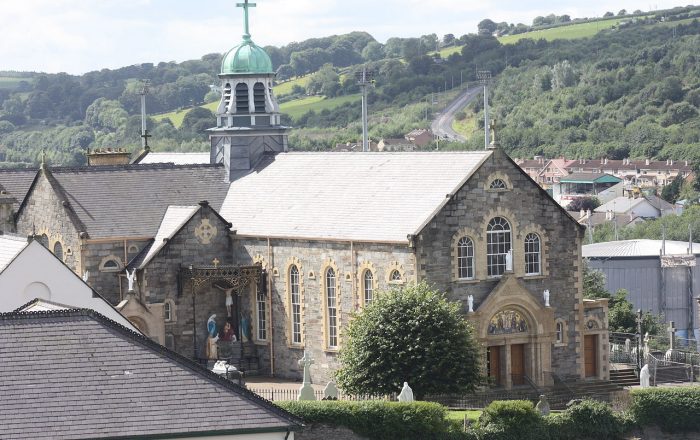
(245, 5)
(492, 126)
(43, 159)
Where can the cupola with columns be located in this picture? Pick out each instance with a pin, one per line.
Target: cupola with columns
(248, 115)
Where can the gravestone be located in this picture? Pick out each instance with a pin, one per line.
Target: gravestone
(330, 392)
(543, 406)
(306, 392)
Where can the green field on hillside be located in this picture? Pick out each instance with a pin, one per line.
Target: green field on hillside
(285, 88)
(294, 108)
(10, 82)
(569, 32)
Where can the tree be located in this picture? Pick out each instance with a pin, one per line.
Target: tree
(584, 203)
(410, 334)
(448, 39)
(486, 26)
(374, 51)
(608, 14)
(671, 191)
(622, 12)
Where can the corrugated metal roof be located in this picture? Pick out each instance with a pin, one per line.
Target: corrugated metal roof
(175, 217)
(348, 196)
(637, 248)
(590, 178)
(10, 247)
(176, 158)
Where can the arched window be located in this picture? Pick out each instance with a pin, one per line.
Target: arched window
(259, 97)
(227, 97)
(395, 275)
(58, 250)
(261, 308)
(242, 105)
(560, 332)
(532, 254)
(465, 258)
(168, 311)
(295, 303)
(110, 263)
(331, 309)
(368, 286)
(498, 243)
(498, 184)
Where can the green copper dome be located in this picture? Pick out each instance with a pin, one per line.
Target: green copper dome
(246, 58)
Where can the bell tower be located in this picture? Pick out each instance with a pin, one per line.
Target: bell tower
(248, 117)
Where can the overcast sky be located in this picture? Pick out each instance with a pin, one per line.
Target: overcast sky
(77, 36)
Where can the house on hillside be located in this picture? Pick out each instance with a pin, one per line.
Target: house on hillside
(396, 145)
(420, 137)
(644, 206)
(577, 185)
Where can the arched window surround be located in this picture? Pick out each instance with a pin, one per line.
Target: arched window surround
(329, 280)
(499, 241)
(295, 339)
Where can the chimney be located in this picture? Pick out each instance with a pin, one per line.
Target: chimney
(582, 213)
(646, 162)
(606, 161)
(671, 160)
(602, 161)
(108, 156)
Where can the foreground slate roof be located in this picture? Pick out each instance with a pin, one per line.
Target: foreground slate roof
(75, 374)
(175, 158)
(637, 248)
(371, 197)
(129, 200)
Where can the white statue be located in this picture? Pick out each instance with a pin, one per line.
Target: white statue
(130, 277)
(509, 261)
(644, 376)
(406, 394)
(546, 297)
(470, 302)
(86, 275)
(229, 302)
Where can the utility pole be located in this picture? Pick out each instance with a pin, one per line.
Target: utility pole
(364, 79)
(484, 77)
(144, 131)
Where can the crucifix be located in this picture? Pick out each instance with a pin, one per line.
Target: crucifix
(306, 392)
(245, 5)
(672, 334)
(215, 262)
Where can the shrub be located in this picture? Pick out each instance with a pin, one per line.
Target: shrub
(671, 409)
(378, 420)
(587, 420)
(511, 419)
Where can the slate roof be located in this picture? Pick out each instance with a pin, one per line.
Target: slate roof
(637, 248)
(129, 200)
(175, 158)
(16, 181)
(365, 197)
(10, 247)
(75, 374)
(625, 204)
(175, 217)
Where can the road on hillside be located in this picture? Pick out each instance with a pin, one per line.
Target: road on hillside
(442, 125)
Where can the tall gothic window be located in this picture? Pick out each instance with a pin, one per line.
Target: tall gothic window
(259, 97)
(295, 300)
(331, 309)
(242, 104)
(465, 258)
(262, 314)
(368, 286)
(560, 332)
(532, 254)
(58, 250)
(498, 243)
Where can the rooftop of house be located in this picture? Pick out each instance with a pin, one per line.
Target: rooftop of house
(637, 248)
(624, 204)
(85, 376)
(342, 195)
(175, 158)
(590, 178)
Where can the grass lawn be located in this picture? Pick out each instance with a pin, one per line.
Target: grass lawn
(570, 32)
(285, 88)
(298, 107)
(472, 415)
(10, 82)
(466, 127)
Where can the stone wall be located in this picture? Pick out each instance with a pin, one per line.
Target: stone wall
(104, 260)
(527, 209)
(45, 214)
(159, 281)
(312, 258)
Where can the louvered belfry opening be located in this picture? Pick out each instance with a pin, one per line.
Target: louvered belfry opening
(242, 105)
(259, 97)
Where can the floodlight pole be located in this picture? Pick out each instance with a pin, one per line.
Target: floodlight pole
(363, 82)
(143, 93)
(484, 76)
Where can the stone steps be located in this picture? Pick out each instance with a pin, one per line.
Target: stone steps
(624, 378)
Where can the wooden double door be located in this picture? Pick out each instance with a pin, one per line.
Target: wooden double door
(590, 355)
(517, 364)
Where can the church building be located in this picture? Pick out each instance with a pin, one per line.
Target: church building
(263, 252)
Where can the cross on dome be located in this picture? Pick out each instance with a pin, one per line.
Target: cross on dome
(245, 5)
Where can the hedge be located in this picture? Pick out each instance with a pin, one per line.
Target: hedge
(379, 420)
(589, 419)
(511, 419)
(671, 409)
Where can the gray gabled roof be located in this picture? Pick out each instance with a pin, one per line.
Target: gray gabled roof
(10, 247)
(173, 220)
(348, 196)
(16, 182)
(75, 374)
(129, 200)
(175, 158)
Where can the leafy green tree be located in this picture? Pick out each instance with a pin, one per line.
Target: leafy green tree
(374, 51)
(671, 191)
(410, 334)
(584, 203)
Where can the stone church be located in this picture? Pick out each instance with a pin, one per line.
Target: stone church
(263, 253)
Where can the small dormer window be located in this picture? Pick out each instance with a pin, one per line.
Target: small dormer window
(498, 184)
